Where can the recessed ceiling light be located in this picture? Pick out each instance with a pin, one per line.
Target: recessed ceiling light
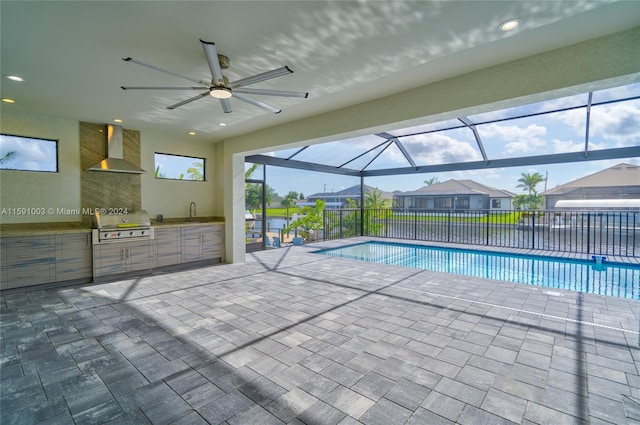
(510, 25)
(222, 124)
(14, 78)
(118, 120)
(7, 100)
(192, 133)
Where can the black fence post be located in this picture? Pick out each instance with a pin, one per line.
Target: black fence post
(486, 229)
(533, 231)
(588, 233)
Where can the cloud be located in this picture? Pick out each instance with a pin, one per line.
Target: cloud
(519, 140)
(564, 146)
(612, 125)
(437, 148)
(31, 154)
(618, 123)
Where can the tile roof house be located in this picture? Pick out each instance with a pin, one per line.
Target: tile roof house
(622, 181)
(339, 199)
(455, 195)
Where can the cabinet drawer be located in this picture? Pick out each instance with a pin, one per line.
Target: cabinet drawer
(18, 276)
(26, 251)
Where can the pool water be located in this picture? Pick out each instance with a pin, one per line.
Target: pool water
(613, 279)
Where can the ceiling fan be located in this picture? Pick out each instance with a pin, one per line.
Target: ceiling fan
(219, 87)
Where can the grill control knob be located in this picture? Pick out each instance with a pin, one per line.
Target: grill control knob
(132, 233)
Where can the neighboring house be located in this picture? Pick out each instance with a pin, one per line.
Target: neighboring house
(339, 199)
(455, 195)
(621, 181)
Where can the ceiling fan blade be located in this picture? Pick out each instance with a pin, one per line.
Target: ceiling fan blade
(162, 88)
(184, 102)
(285, 70)
(212, 59)
(264, 92)
(257, 103)
(226, 105)
(160, 69)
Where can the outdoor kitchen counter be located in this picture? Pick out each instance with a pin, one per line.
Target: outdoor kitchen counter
(182, 222)
(34, 229)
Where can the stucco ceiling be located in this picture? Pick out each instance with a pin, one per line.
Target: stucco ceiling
(342, 52)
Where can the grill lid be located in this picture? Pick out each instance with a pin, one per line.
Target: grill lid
(121, 221)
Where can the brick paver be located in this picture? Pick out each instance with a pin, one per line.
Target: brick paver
(295, 337)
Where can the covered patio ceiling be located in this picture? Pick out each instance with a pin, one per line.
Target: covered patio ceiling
(595, 125)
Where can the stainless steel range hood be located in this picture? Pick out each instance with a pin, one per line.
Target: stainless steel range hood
(114, 163)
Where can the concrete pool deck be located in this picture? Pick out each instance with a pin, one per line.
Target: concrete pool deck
(295, 337)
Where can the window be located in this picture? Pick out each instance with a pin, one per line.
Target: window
(463, 203)
(421, 203)
(442, 203)
(176, 167)
(496, 203)
(28, 154)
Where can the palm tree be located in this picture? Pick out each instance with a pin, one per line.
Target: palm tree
(528, 182)
(432, 180)
(195, 171)
(8, 157)
(375, 200)
(160, 174)
(288, 202)
(250, 171)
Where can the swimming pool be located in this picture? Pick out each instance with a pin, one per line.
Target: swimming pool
(613, 279)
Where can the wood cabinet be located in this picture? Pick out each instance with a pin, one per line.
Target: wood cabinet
(69, 256)
(73, 256)
(28, 260)
(122, 257)
(167, 246)
(202, 243)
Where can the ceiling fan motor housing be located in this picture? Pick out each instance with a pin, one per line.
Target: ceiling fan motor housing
(224, 61)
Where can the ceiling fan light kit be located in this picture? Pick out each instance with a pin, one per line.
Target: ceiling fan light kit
(220, 93)
(220, 87)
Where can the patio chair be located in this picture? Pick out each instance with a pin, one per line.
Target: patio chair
(267, 241)
(297, 241)
(276, 242)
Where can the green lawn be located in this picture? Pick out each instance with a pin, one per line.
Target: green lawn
(497, 218)
(281, 212)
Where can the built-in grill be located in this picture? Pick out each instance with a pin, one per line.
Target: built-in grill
(121, 227)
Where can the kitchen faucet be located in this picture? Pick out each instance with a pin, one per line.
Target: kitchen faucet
(192, 210)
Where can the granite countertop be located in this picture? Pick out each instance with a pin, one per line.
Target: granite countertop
(186, 221)
(29, 229)
(26, 229)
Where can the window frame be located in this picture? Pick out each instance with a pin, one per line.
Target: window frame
(57, 153)
(204, 167)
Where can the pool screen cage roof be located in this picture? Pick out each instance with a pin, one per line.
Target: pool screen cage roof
(597, 125)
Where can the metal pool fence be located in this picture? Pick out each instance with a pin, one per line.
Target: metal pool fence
(612, 233)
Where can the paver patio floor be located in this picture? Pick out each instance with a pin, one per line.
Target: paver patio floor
(295, 337)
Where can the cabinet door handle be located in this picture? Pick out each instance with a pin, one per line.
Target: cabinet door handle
(123, 254)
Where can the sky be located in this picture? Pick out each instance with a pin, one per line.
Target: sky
(611, 125)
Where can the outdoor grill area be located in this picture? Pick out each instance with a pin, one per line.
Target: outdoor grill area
(294, 337)
(121, 227)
